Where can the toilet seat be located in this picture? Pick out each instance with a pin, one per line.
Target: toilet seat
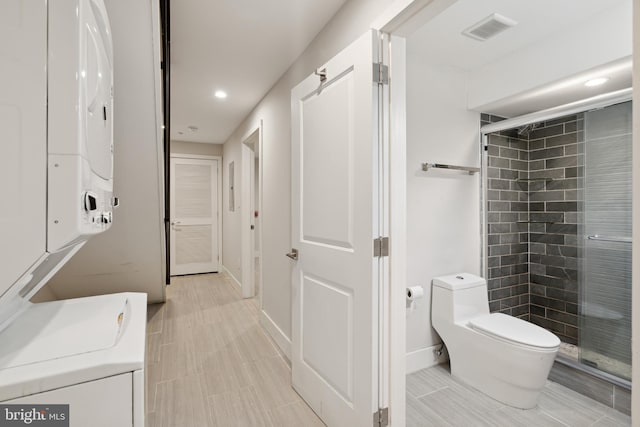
(514, 330)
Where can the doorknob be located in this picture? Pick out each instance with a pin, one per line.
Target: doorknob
(293, 254)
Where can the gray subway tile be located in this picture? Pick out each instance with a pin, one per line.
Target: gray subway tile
(510, 195)
(519, 144)
(568, 138)
(499, 250)
(519, 165)
(546, 153)
(536, 144)
(508, 174)
(545, 132)
(571, 127)
(561, 120)
(499, 228)
(537, 248)
(510, 238)
(548, 324)
(548, 281)
(521, 268)
(562, 228)
(561, 206)
(561, 162)
(547, 196)
(536, 289)
(550, 174)
(519, 206)
(498, 184)
(499, 162)
(500, 293)
(547, 238)
(563, 184)
(509, 153)
(559, 316)
(508, 216)
(539, 269)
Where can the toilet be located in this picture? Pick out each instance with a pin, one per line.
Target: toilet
(502, 356)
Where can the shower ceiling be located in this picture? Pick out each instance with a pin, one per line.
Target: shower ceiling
(537, 22)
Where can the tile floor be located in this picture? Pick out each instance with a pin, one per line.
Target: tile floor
(434, 398)
(210, 364)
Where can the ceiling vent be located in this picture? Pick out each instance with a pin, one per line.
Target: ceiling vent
(489, 27)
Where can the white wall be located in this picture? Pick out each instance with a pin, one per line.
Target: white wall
(197, 148)
(443, 207)
(604, 38)
(130, 256)
(350, 22)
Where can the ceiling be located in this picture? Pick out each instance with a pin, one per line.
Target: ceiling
(442, 41)
(239, 46)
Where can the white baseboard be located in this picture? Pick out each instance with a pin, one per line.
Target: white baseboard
(282, 341)
(225, 270)
(424, 358)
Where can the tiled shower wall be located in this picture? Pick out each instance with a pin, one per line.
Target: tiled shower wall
(507, 238)
(532, 223)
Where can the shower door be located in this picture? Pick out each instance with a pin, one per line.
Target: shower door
(605, 261)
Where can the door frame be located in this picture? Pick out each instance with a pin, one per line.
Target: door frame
(219, 190)
(396, 24)
(399, 21)
(250, 147)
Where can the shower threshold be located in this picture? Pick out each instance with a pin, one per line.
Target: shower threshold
(590, 381)
(594, 364)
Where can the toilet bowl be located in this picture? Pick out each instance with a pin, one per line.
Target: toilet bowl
(504, 357)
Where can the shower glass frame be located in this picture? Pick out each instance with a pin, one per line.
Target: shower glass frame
(582, 106)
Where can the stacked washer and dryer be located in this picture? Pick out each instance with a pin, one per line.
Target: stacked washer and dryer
(56, 182)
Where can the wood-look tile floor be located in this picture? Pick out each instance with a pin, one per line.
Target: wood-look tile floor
(434, 398)
(209, 363)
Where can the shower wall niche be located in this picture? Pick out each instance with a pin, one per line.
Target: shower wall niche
(532, 203)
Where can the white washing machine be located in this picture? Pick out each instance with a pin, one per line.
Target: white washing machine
(56, 185)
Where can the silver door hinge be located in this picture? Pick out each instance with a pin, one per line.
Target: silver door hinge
(381, 417)
(380, 247)
(380, 73)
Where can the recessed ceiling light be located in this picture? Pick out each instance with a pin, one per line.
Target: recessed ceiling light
(596, 82)
(220, 94)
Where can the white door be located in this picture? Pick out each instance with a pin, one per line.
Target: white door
(194, 216)
(335, 220)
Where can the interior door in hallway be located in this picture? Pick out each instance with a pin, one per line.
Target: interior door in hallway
(194, 216)
(335, 216)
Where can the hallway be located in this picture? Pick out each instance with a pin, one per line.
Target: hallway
(210, 364)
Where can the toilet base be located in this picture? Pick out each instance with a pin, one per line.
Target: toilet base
(500, 390)
(512, 375)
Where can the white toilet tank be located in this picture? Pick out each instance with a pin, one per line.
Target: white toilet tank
(458, 297)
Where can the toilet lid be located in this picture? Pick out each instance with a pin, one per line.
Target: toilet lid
(513, 329)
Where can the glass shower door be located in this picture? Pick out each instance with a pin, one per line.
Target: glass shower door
(605, 261)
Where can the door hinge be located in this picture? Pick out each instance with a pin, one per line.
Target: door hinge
(380, 73)
(381, 417)
(380, 247)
